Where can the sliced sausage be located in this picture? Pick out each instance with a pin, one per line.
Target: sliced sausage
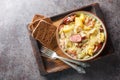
(97, 48)
(69, 19)
(76, 38)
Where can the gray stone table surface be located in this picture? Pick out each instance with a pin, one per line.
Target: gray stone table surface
(17, 61)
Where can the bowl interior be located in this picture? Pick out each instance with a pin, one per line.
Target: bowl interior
(105, 33)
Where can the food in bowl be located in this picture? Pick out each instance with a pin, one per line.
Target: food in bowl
(81, 35)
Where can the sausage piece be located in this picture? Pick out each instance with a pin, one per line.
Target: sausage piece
(69, 19)
(76, 38)
(97, 48)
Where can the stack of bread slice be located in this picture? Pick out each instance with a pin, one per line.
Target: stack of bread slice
(43, 30)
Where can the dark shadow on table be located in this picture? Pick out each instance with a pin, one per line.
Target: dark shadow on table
(103, 68)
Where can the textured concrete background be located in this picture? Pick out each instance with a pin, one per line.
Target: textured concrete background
(17, 61)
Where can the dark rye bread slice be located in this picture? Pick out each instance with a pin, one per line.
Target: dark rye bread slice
(45, 34)
(36, 20)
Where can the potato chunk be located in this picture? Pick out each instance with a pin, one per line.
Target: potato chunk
(78, 22)
(67, 28)
(82, 17)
